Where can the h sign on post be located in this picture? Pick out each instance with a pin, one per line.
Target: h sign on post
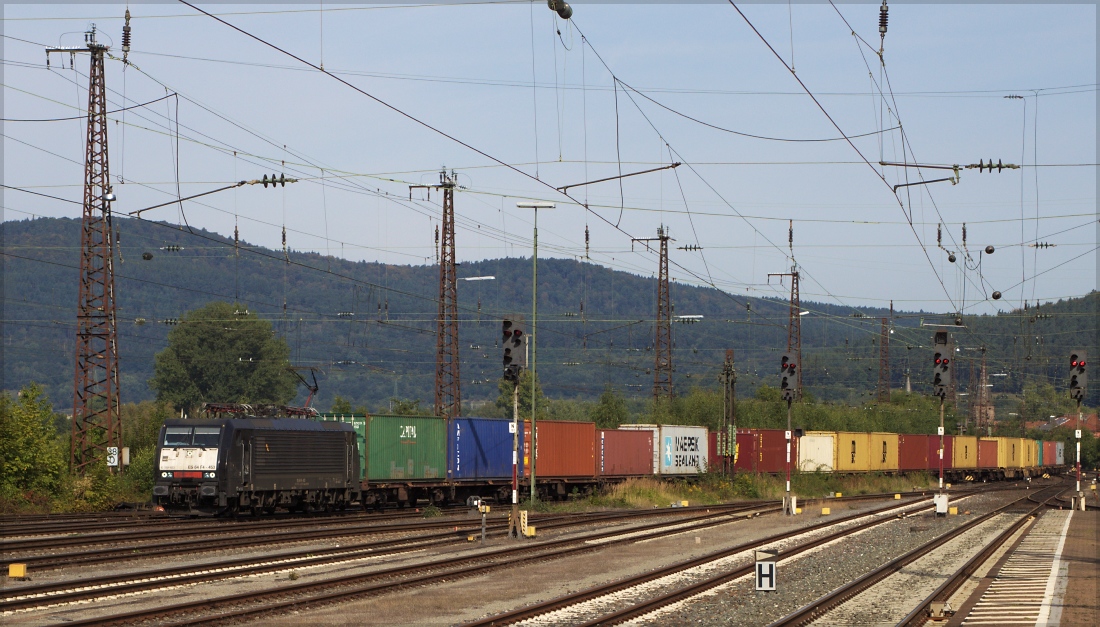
(765, 570)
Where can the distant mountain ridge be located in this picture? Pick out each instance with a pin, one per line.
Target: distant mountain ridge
(370, 327)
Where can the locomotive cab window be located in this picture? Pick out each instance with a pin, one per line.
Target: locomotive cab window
(207, 437)
(203, 437)
(177, 436)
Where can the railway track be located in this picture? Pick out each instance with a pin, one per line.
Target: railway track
(1029, 575)
(823, 605)
(233, 539)
(641, 607)
(348, 586)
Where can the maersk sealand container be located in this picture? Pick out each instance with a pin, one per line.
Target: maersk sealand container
(677, 450)
(480, 448)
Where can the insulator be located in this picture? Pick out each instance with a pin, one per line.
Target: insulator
(883, 18)
(996, 295)
(939, 235)
(147, 256)
(989, 250)
(126, 36)
(964, 234)
(951, 257)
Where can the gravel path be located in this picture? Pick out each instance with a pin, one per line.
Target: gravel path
(814, 573)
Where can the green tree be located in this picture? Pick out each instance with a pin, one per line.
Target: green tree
(610, 411)
(340, 405)
(219, 353)
(406, 407)
(32, 457)
(504, 399)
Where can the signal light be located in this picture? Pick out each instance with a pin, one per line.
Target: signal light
(1078, 376)
(941, 369)
(514, 357)
(788, 381)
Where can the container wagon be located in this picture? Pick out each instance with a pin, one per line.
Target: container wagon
(948, 454)
(987, 455)
(853, 451)
(677, 450)
(965, 454)
(624, 453)
(817, 451)
(913, 450)
(564, 455)
(883, 452)
(764, 451)
(405, 457)
(479, 458)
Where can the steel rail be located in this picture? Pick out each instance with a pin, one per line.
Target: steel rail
(25, 597)
(943, 592)
(628, 582)
(839, 596)
(354, 586)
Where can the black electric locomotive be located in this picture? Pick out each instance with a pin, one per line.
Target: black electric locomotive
(213, 466)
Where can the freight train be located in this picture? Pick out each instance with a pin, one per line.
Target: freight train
(330, 461)
(965, 457)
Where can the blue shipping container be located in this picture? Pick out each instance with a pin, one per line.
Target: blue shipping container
(480, 448)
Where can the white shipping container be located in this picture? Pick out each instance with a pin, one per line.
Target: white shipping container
(1060, 454)
(677, 450)
(683, 450)
(815, 453)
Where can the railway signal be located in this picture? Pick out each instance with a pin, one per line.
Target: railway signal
(941, 380)
(788, 377)
(941, 367)
(1078, 383)
(1078, 377)
(514, 357)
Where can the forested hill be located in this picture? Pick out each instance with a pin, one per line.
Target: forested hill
(370, 327)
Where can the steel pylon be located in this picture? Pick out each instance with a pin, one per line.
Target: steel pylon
(96, 424)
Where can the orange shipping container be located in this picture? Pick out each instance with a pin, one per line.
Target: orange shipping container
(563, 449)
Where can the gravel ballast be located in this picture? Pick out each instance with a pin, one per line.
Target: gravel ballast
(812, 574)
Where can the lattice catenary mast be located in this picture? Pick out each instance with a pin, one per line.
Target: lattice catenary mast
(96, 421)
(448, 386)
(662, 345)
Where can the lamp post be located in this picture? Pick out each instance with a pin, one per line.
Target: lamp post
(534, 328)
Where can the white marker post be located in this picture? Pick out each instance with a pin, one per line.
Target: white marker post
(765, 570)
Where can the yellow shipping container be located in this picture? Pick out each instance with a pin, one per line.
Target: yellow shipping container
(1031, 453)
(964, 453)
(853, 452)
(1010, 452)
(884, 452)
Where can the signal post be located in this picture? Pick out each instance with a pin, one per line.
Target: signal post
(788, 386)
(514, 360)
(1078, 383)
(941, 380)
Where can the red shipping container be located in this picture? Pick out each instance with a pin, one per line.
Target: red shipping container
(1050, 453)
(933, 453)
(913, 450)
(564, 449)
(764, 451)
(622, 453)
(987, 453)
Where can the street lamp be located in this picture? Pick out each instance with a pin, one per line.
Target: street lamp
(535, 205)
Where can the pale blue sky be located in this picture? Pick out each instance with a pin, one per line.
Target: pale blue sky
(467, 70)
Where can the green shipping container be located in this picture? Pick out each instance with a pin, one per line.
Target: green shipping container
(359, 423)
(406, 448)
